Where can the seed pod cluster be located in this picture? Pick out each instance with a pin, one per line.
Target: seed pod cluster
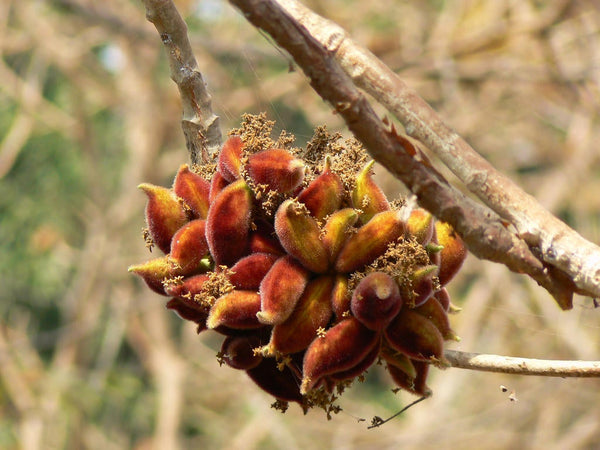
(304, 266)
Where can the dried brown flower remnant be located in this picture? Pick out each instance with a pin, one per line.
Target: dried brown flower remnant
(312, 281)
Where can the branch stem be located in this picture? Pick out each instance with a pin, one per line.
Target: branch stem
(200, 125)
(523, 366)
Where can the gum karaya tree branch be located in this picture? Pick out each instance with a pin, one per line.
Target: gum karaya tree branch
(508, 227)
(200, 125)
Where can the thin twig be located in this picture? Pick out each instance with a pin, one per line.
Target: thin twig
(200, 125)
(378, 421)
(552, 240)
(523, 366)
(483, 231)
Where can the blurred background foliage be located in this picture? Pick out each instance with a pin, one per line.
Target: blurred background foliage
(89, 358)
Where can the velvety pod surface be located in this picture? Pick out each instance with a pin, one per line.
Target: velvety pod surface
(297, 258)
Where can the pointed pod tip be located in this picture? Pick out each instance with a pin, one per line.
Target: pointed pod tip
(452, 336)
(212, 321)
(152, 190)
(425, 271)
(266, 318)
(369, 166)
(434, 248)
(288, 204)
(146, 187)
(183, 170)
(453, 309)
(297, 164)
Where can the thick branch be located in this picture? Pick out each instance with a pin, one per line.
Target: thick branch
(552, 240)
(523, 366)
(200, 125)
(482, 229)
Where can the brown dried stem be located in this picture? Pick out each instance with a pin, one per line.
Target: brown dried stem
(200, 125)
(523, 366)
(484, 232)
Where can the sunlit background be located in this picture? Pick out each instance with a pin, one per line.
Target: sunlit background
(90, 358)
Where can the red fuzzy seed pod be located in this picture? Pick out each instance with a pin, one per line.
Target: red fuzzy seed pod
(154, 272)
(280, 290)
(416, 336)
(188, 288)
(236, 310)
(264, 240)
(360, 368)
(453, 254)
(401, 378)
(421, 387)
(189, 246)
(164, 215)
(376, 301)
(340, 297)
(229, 162)
(343, 347)
(324, 194)
(432, 310)
(238, 352)
(226, 331)
(299, 235)
(249, 271)
(422, 284)
(194, 190)
(312, 312)
(337, 229)
(367, 196)
(423, 292)
(415, 385)
(370, 241)
(228, 224)
(281, 384)
(217, 184)
(443, 298)
(399, 360)
(277, 169)
(183, 310)
(420, 224)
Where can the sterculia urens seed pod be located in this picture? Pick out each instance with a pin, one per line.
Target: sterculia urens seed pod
(301, 263)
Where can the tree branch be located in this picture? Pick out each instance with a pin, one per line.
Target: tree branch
(200, 125)
(523, 366)
(483, 230)
(551, 240)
